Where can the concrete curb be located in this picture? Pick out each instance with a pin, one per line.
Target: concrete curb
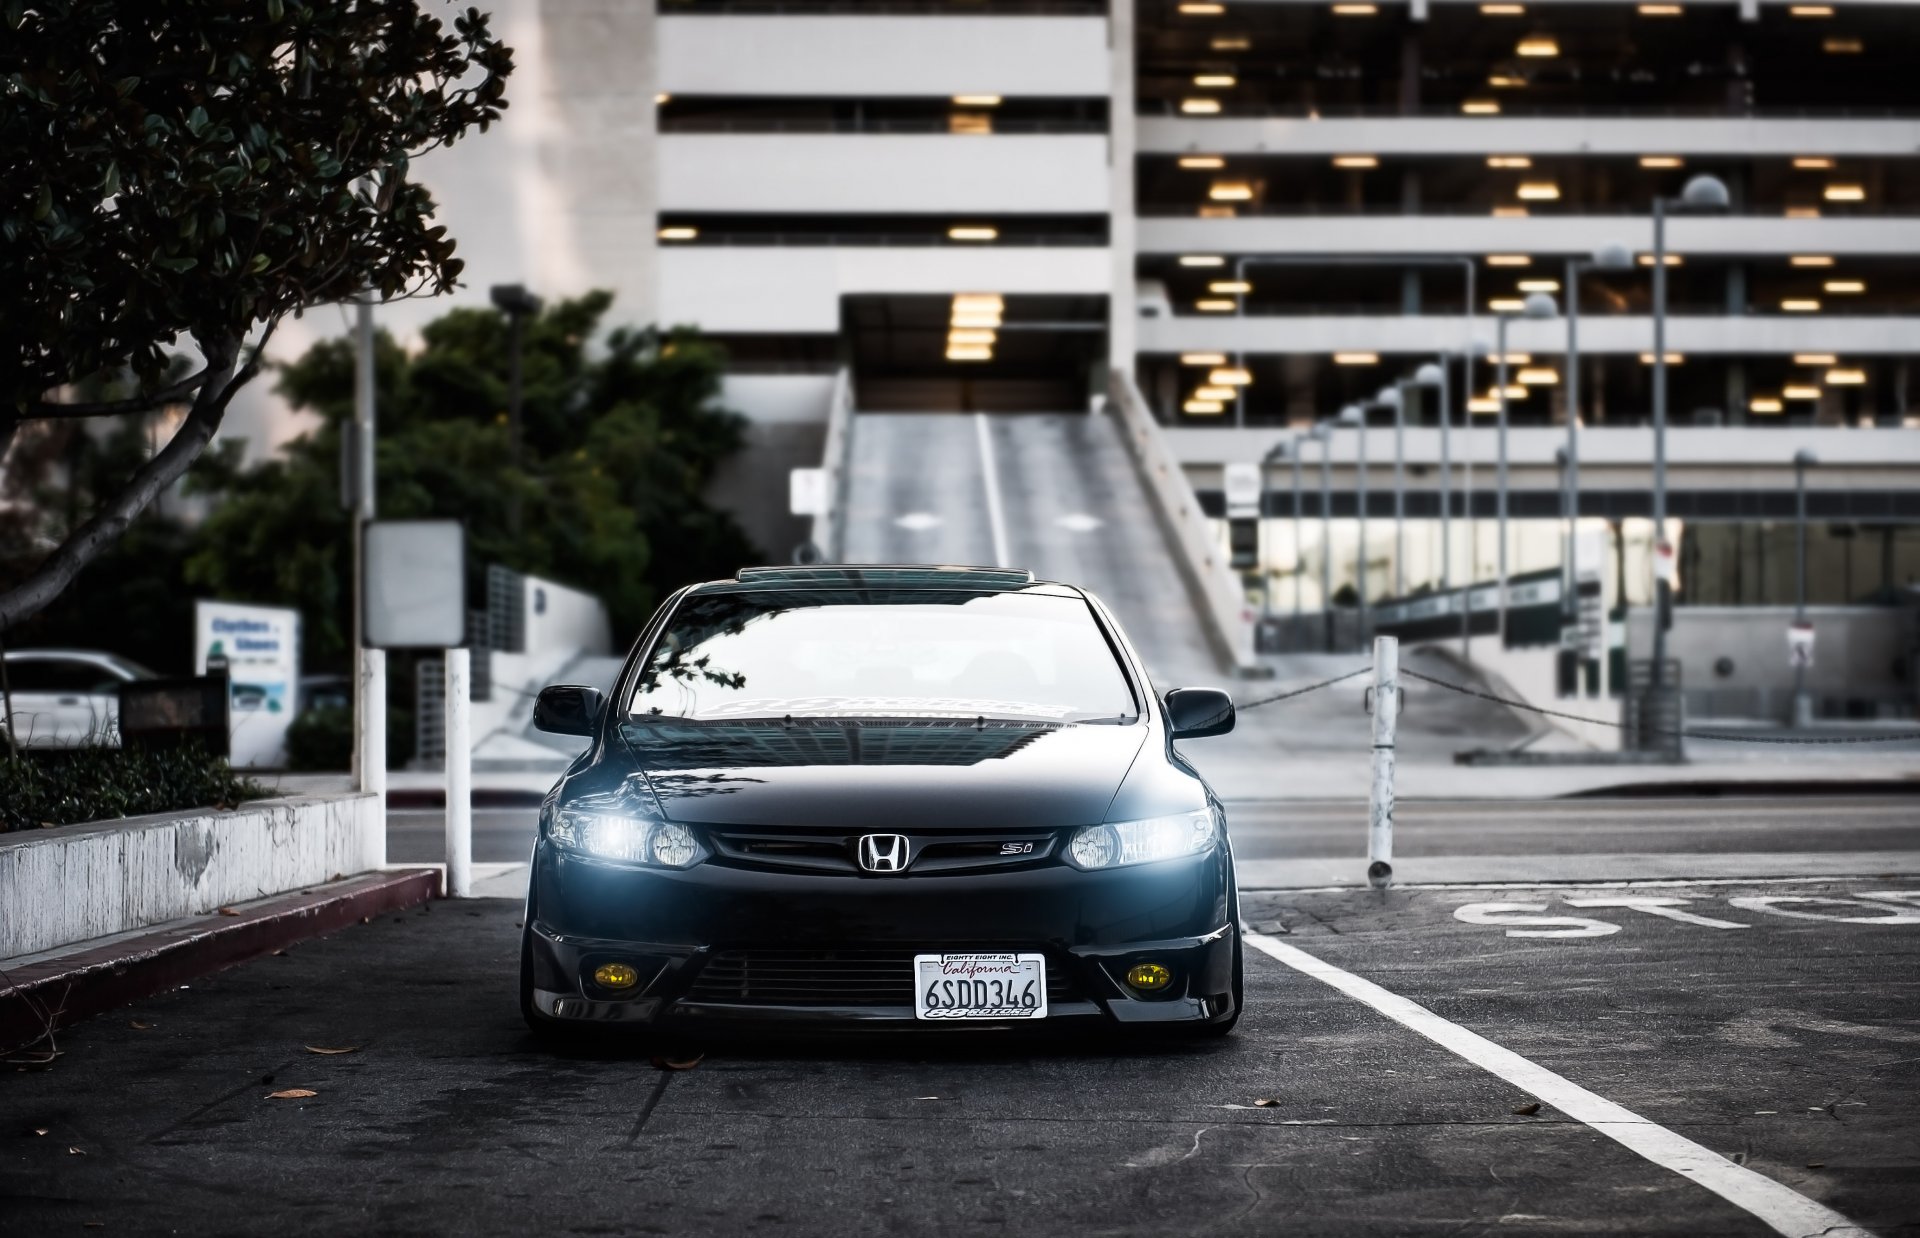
(62, 987)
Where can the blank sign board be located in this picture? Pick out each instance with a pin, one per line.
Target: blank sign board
(416, 594)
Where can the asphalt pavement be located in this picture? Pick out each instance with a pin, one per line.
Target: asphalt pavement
(1786, 1048)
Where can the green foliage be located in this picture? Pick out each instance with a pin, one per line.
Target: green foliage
(620, 438)
(41, 788)
(322, 739)
(174, 167)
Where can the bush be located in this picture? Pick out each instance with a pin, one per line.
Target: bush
(322, 739)
(67, 786)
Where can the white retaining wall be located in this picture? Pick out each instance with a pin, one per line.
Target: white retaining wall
(85, 881)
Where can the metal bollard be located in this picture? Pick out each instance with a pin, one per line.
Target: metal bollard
(370, 745)
(459, 777)
(1386, 714)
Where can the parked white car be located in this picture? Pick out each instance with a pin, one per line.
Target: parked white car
(68, 698)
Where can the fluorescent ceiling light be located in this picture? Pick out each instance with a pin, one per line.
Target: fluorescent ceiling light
(1504, 10)
(1801, 392)
(1540, 376)
(1814, 358)
(1200, 107)
(1505, 81)
(977, 100)
(1811, 260)
(1764, 404)
(1845, 285)
(1218, 80)
(1202, 260)
(1480, 107)
(1507, 305)
(1672, 260)
(1537, 47)
(1215, 212)
(1356, 10)
(662, 97)
(1539, 191)
(968, 336)
(962, 318)
(1811, 10)
(1230, 287)
(1803, 212)
(1203, 358)
(1201, 163)
(1203, 10)
(1673, 358)
(1231, 191)
(1483, 404)
(1514, 358)
(972, 232)
(1539, 285)
(1845, 193)
(678, 233)
(1509, 161)
(1356, 161)
(1662, 161)
(1213, 393)
(1509, 260)
(1204, 407)
(1800, 305)
(979, 301)
(1659, 10)
(1813, 162)
(1356, 358)
(1212, 306)
(1841, 47)
(969, 352)
(1846, 378)
(1231, 43)
(1509, 212)
(1230, 378)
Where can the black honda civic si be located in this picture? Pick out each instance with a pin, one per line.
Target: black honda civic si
(880, 797)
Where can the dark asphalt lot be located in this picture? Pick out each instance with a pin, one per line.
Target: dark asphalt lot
(1791, 1045)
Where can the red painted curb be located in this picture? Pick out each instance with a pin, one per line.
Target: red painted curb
(71, 987)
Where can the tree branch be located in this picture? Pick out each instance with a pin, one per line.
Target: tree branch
(219, 384)
(114, 408)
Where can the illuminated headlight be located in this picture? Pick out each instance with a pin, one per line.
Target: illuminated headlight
(632, 840)
(1143, 842)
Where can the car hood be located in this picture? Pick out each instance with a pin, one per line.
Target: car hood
(874, 775)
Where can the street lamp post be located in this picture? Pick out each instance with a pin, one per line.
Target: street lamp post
(1299, 548)
(1394, 396)
(1612, 256)
(518, 305)
(1802, 460)
(1355, 415)
(1700, 193)
(1325, 434)
(1433, 375)
(1537, 306)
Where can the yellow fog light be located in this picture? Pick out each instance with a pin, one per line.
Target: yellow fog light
(1149, 977)
(615, 976)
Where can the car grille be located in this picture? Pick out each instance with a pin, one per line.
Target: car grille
(833, 851)
(825, 978)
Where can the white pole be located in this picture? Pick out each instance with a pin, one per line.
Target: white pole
(370, 742)
(459, 778)
(1386, 713)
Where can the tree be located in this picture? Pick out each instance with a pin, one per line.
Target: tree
(621, 435)
(197, 169)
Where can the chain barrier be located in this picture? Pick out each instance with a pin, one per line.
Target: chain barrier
(1889, 738)
(1312, 687)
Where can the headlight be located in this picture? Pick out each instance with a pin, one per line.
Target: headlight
(1143, 842)
(631, 839)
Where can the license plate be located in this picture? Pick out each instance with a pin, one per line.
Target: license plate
(980, 986)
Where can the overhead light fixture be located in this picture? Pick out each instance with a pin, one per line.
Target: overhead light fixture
(1509, 260)
(1846, 378)
(1203, 358)
(1509, 212)
(1537, 47)
(979, 301)
(678, 232)
(1509, 161)
(1662, 161)
(1203, 10)
(1507, 305)
(1483, 404)
(1504, 10)
(1213, 393)
(1356, 358)
(1539, 191)
(966, 335)
(969, 123)
(1216, 211)
(1672, 260)
(969, 352)
(1811, 10)
(1800, 305)
(1204, 408)
(1845, 193)
(1230, 287)
(1200, 107)
(980, 318)
(1845, 285)
(1201, 163)
(1813, 163)
(1480, 107)
(1814, 358)
(1540, 376)
(1217, 80)
(976, 100)
(1355, 10)
(1505, 81)
(1538, 285)
(1517, 392)
(973, 232)
(1764, 404)
(1202, 260)
(1803, 212)
(1356, 161)
(1231, 43)
(1673, 358)
(1841, 47)
(662, 97)
(1811, 260)
(1659, 10)
(1231, 191)
(1514, 358)
(1800, 393)
(1212, 306)
(1230, 378)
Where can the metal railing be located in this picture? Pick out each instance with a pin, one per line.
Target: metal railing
(834, 124)
(902, 240)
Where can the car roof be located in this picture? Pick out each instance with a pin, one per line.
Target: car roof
(888, 576)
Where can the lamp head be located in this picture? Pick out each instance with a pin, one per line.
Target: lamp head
(1613, 256)
(1429, 375)
(1350, 415)
(1388, 395)
(1705, 193)
(1539, 305)
(1805, 458)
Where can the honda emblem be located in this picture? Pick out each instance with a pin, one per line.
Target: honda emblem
(883, 853)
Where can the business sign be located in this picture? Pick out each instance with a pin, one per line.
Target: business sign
(1242, 482)
(259, 648)
(416, 596)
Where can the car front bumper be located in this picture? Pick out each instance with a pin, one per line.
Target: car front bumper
(682, 929)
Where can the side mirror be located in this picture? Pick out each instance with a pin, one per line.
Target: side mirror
(567, 709)
(1195, 713)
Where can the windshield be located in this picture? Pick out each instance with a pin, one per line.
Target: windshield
(913, 654)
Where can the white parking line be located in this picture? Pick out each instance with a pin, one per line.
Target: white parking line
(1786, 1210)
(996, 520)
